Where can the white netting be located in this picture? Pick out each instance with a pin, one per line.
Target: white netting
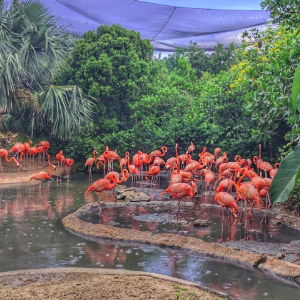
(165, 26)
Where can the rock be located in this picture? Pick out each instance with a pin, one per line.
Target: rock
(255, 231)
(236, 248)
(132, 196)
(112, 223)
(201, 223)
(156, 208)
(275, 221)
(182, 221)
(280, 255)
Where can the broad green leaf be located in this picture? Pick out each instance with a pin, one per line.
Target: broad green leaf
(286, 177)
(296, 88)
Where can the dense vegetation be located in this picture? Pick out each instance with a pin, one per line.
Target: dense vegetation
(32, 50)
(233, 98)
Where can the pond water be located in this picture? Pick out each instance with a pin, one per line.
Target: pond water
(143, 218)
(32, 236)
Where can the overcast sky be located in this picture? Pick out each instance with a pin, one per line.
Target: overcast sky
(215, 4)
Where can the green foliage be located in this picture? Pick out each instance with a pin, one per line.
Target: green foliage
(285, 12)
(265, 74)
(286, 177)
(114, 66)
(295, 92)
(32, 49)
(219, 60)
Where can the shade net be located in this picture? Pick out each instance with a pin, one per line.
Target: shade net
(165, 26)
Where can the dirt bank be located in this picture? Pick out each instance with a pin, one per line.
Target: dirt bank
(77, 283)
(10, 174)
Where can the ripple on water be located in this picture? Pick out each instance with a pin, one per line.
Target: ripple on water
(38, 218)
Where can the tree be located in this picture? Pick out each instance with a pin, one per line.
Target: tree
(32, 50)
(285, 12)
(220, 59)
(114, 66)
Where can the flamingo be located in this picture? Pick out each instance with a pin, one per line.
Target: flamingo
(132, 170)
(247, 192)
(226, 201)
(100, 186)
(158, 161)
(46, 146)
(19, 148)
(225, 184)
(204, 153)
(101, 160)
(217, 152)
(179, 191)
(4, 153)
(153, 171)
(123, 161)
(158, 153)
(241, 161)
(60, 158)
(89, 162)
(68, 162)
(184, 158)
(171, 162)
(43, 175)
(32, 151)
(274, 171)
(265, 166)
(27, 146)
(110, 156)
(191, 148)
(221, 160)
(116, 175)
(209, 178)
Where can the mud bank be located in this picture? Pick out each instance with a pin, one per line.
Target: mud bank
(11, 176)
(83, 283)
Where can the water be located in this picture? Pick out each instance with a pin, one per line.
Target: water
(143, 218)
(32, 236)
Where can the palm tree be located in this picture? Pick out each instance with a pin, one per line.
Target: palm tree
(33, 49)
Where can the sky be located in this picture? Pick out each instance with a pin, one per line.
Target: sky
(214, 4)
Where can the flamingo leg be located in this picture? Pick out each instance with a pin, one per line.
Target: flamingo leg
(222, 226)
(99, 203)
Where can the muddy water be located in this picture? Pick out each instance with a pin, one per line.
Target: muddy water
(166, 220)
(32, 236)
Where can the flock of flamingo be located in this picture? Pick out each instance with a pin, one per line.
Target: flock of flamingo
(214, 168)
(187, 171)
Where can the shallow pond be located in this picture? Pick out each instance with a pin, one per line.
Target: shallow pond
(144, 218)
(32, 236)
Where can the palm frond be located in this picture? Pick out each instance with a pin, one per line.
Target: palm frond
(65, 109)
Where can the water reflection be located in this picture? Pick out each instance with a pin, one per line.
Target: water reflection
(32, 236)
(145, 219)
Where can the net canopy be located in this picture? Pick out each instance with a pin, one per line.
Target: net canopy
(165, 26)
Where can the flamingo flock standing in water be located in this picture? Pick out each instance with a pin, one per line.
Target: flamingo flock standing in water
(214, 169)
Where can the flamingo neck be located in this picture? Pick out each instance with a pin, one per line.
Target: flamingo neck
(239, 182)
(178, 166)
(50, 175)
